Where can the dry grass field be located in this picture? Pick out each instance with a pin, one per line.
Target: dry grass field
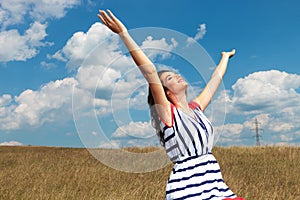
(255, 173)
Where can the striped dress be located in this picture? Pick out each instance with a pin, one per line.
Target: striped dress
(196, 173)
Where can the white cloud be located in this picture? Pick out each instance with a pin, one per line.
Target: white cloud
(48, 65)
(91, 77)
(104, 76)
(262, 92)
(52, 96)
(229, 129)
(262, 119)
(153, 141)
(113, 144)
(11, 143)
(42, 10)
(80, 45)
(51, 103)
(286, 119)
(154, 48)
(271, 97)
(135, 129)
(105, 70)
(266, 91)
(228, 133)
(281, 127)
(22, 47)
(139, 101)
(5, 99)
(201, 31)
(14, 11)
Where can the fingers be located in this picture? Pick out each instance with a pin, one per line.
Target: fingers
(112, 15)
(231, 53)
(105, 18)
(113, 23)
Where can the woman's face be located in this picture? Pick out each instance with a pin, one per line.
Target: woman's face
(173, 82)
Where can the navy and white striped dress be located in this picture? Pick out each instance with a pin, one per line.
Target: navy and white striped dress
(196, 173)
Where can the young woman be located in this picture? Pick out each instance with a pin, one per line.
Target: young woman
(184, 130)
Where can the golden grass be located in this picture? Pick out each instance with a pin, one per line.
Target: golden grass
(255, 173)
(266, 173)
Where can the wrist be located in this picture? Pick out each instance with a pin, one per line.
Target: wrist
(128, 41)
(124, 34)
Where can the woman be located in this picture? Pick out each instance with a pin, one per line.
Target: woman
(183, 128)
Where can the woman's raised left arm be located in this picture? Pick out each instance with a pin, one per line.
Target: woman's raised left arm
(213, 84)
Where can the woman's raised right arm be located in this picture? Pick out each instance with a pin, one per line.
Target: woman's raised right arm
(141, 60)
(145, 65)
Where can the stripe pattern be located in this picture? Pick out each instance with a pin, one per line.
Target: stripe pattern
(196, 173)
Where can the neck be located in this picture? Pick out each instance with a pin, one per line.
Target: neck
(182, 101)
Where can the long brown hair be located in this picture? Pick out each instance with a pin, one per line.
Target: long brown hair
(154, 116)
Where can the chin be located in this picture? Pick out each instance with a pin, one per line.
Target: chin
(185, 86)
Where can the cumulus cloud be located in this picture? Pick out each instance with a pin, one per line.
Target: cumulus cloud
(80, 45)
(52, 96)
(89, 78)
(101, 69)
(11, 143)
(154, 48)
(136, 134)
(266, 91)
(5, 99)
(47, 65)
(51, 103)
(271, 97)
(113, 144)
(228, 133)
(105, 77)
(107, 71)
(281, 127)
(14, 11)
(135, 129)
(229, 129)
(261, 93)
(15, 46)
(201, 31)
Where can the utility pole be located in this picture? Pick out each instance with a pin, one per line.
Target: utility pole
(257, 129)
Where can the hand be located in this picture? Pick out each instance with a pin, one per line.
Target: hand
(229, 54)
(111, 22)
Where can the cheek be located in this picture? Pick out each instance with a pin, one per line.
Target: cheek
(171, 85)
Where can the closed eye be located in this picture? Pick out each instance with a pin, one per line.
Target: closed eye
(169, 77)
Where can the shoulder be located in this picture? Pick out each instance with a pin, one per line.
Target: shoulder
(165, 122)
(194, 105)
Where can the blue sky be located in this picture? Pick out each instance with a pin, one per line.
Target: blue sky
(65, 80)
